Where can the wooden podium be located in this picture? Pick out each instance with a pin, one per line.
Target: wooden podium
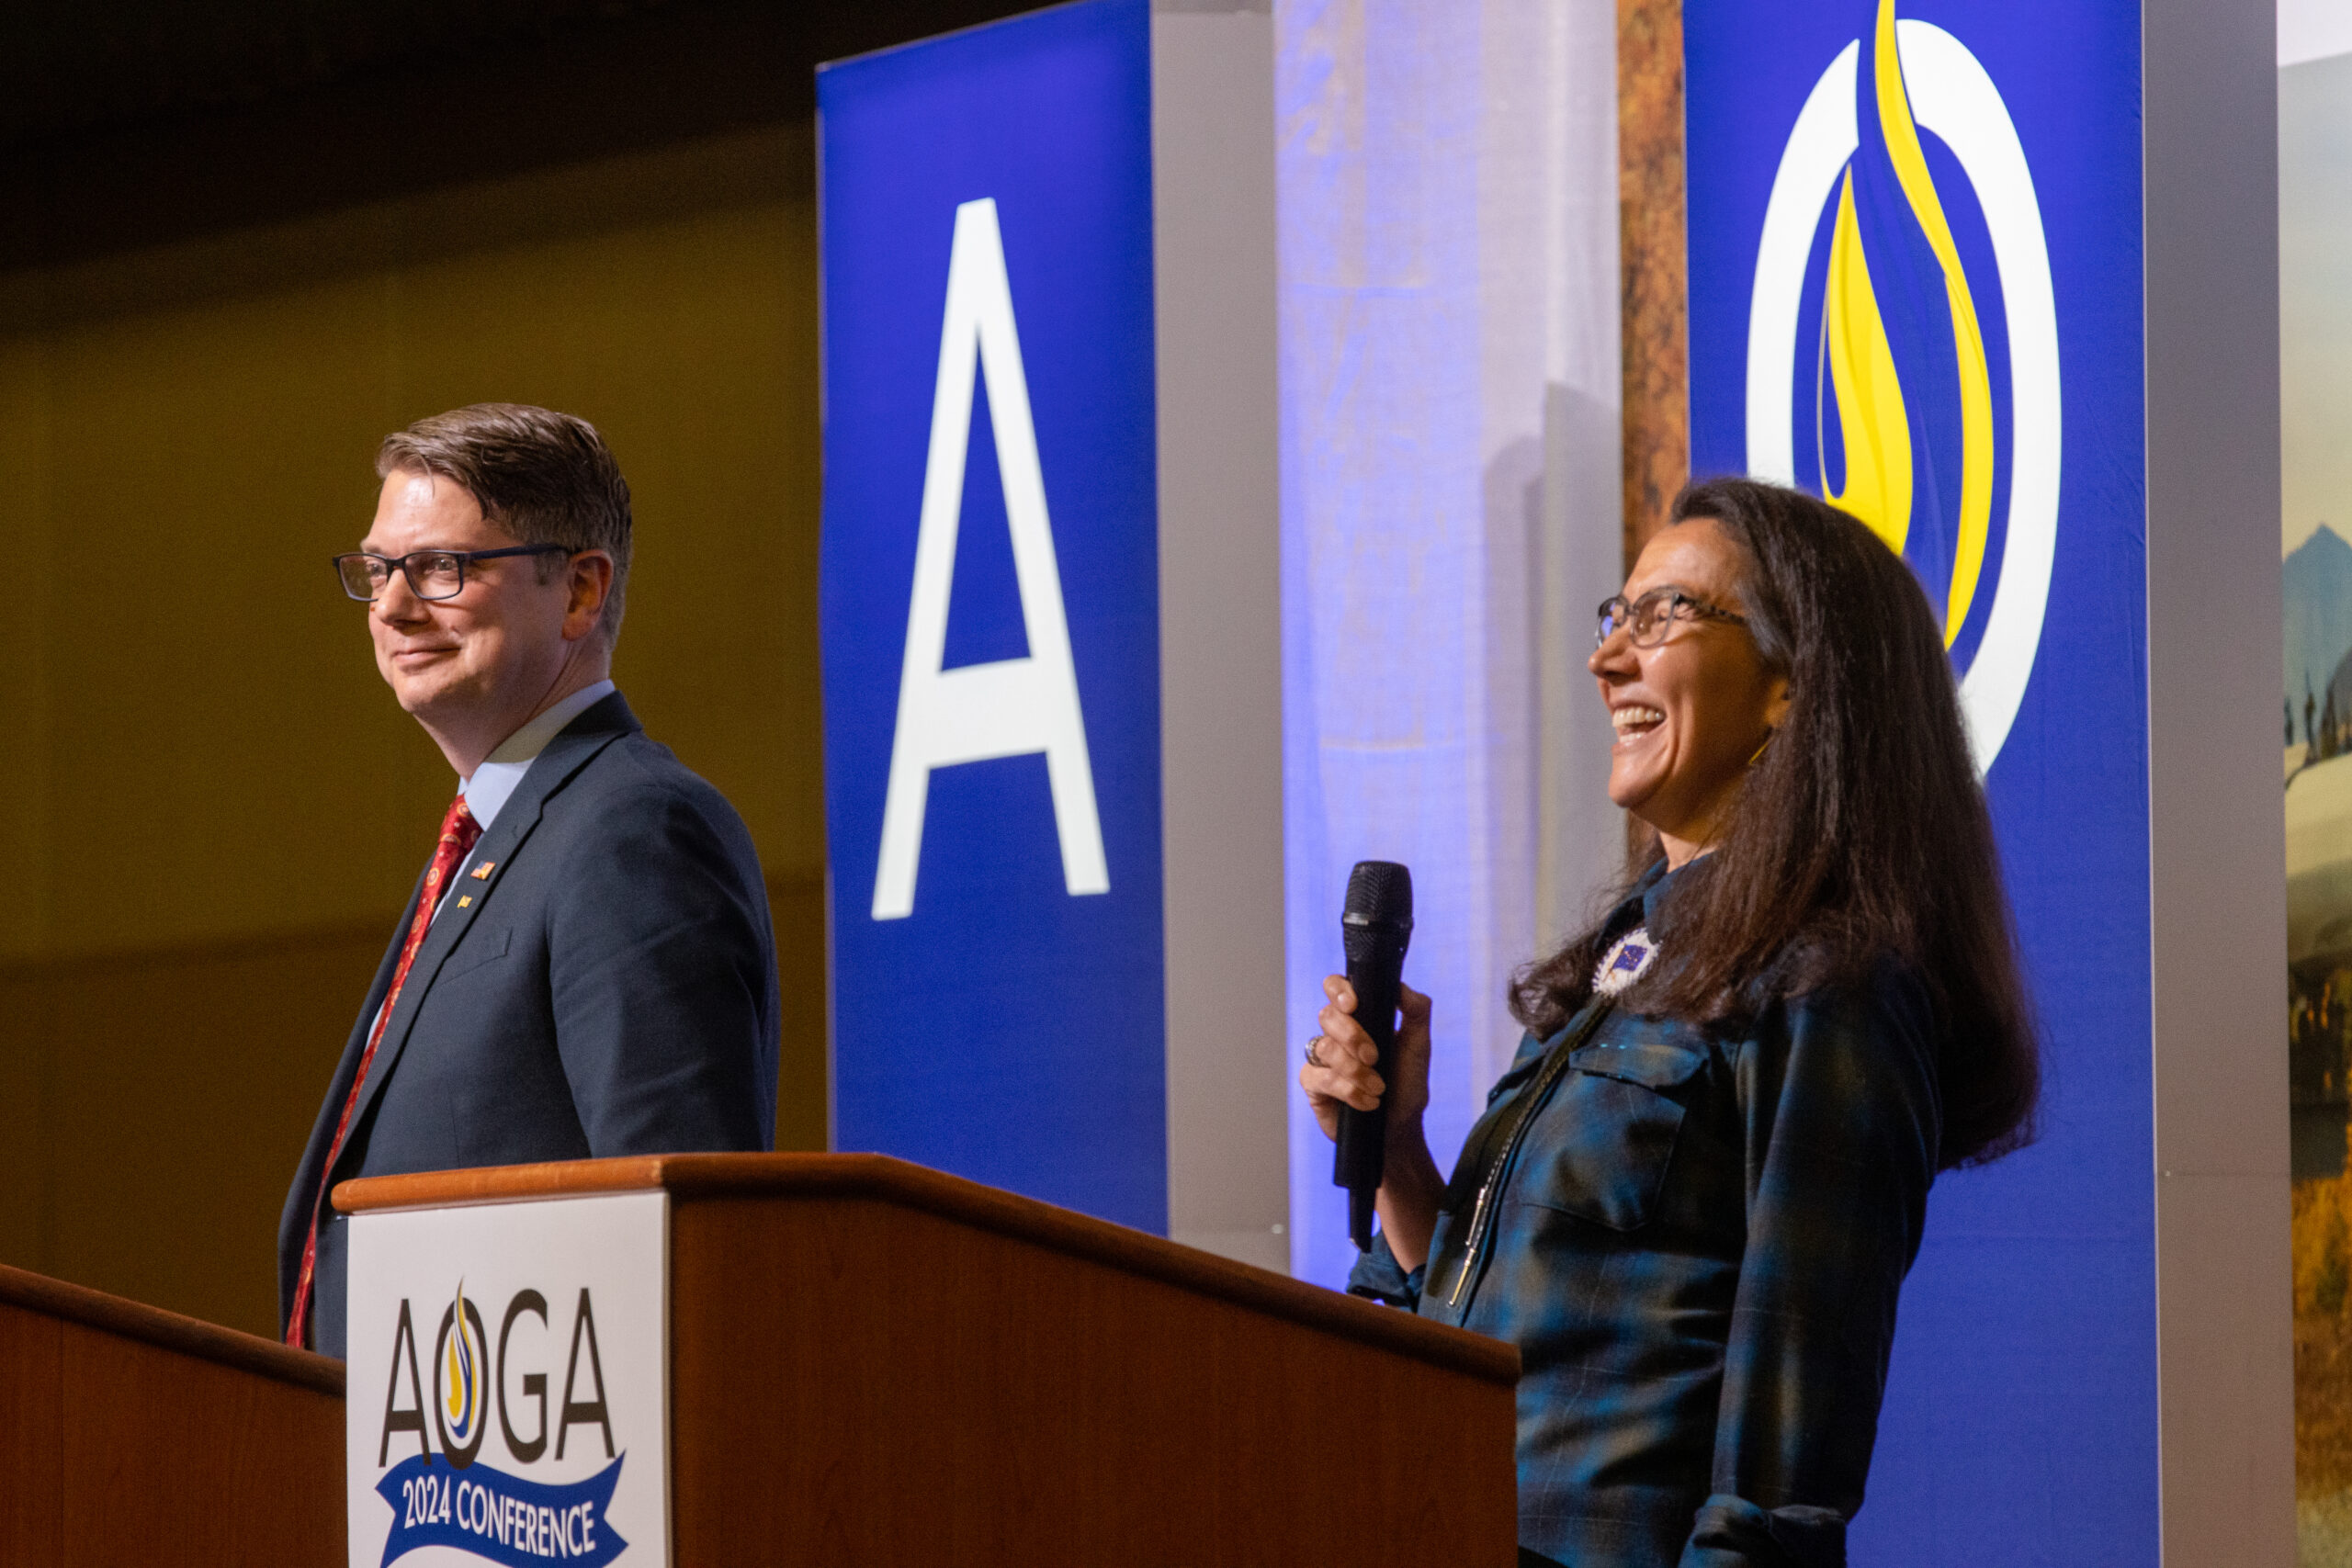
(131, 1435)
(873, 1363)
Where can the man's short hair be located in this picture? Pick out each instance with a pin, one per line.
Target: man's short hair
(543, 477)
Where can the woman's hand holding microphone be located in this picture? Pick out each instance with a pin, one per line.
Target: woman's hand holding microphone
(1341, 1070)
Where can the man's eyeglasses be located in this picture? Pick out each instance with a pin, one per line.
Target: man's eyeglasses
(1648, 616)
(432, 574)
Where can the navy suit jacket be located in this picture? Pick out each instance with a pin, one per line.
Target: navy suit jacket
(610, 989)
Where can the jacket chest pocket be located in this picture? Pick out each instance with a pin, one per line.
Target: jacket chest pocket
(1601, 1147)
(477, 948)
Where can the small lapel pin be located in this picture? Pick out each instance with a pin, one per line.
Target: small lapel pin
(482, 871)
(464, 900)
(1624, 961)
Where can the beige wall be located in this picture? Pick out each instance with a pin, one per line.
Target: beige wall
(209, 808)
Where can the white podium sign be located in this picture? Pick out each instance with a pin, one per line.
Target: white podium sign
(509, 1394)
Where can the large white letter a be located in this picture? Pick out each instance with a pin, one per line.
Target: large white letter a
(1014, 707)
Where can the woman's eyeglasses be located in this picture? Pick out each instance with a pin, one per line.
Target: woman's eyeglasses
(1648, 616)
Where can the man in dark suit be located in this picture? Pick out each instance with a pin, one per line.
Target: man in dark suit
(586, 966)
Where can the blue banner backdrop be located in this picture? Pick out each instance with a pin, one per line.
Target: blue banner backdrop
(997, 996)
(1915, 247)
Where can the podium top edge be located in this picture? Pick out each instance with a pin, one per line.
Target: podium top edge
(879, 1177)
(169, 1330)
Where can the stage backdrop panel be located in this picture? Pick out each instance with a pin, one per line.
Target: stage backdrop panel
(1451, 434)
(1952, 266)
(1049, 617)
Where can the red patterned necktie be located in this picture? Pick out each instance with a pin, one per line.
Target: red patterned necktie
(458, 831)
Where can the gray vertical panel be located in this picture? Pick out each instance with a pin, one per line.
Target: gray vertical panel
(1220, 626)
(2217, 883)
(1583, 842)
(1581, 835)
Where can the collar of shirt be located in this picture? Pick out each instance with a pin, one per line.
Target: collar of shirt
(501, 771)
(1658, 884)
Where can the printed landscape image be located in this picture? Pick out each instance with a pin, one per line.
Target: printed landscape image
(2316, 386)
(2318, 728)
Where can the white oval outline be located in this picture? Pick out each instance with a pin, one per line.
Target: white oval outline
(1954, 96)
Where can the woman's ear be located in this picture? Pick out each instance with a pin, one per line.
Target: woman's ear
(1776, 703)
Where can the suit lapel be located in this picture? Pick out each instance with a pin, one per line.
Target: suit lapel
(565, 756)
(295, 1222)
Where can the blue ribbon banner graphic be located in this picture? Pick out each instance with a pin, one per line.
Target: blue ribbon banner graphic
(500, 1517)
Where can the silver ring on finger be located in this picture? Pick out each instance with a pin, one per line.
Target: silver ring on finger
(1312, 1059)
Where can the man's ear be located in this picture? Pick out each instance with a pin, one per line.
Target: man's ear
(590, 582)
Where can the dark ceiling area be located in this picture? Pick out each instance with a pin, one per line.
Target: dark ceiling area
(66, 68)
(136, 122)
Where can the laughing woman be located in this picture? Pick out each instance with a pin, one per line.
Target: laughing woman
(1694, 1195)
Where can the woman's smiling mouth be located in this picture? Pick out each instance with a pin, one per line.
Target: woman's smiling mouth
(1634, 720)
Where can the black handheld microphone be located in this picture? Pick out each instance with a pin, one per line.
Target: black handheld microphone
(1375, 926)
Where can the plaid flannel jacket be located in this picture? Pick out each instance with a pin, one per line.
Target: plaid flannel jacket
(1697, 1247)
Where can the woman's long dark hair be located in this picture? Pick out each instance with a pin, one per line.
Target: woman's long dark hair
(1860, 835)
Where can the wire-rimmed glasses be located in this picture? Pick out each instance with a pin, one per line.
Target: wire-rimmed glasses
(1647, 617)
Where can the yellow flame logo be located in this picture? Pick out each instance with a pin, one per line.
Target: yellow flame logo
(1919, 81)
(1871, 419)
(462, 1387)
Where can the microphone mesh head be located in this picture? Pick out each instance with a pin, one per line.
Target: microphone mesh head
(1380, 893)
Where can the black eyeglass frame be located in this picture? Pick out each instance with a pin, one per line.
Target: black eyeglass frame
(1616, 611)
(463, 559)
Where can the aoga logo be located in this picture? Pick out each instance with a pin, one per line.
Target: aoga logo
(464, 1502)
(1902, 288)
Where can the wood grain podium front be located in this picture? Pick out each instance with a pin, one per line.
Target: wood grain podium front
(131, 1435)
(875, 1363)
